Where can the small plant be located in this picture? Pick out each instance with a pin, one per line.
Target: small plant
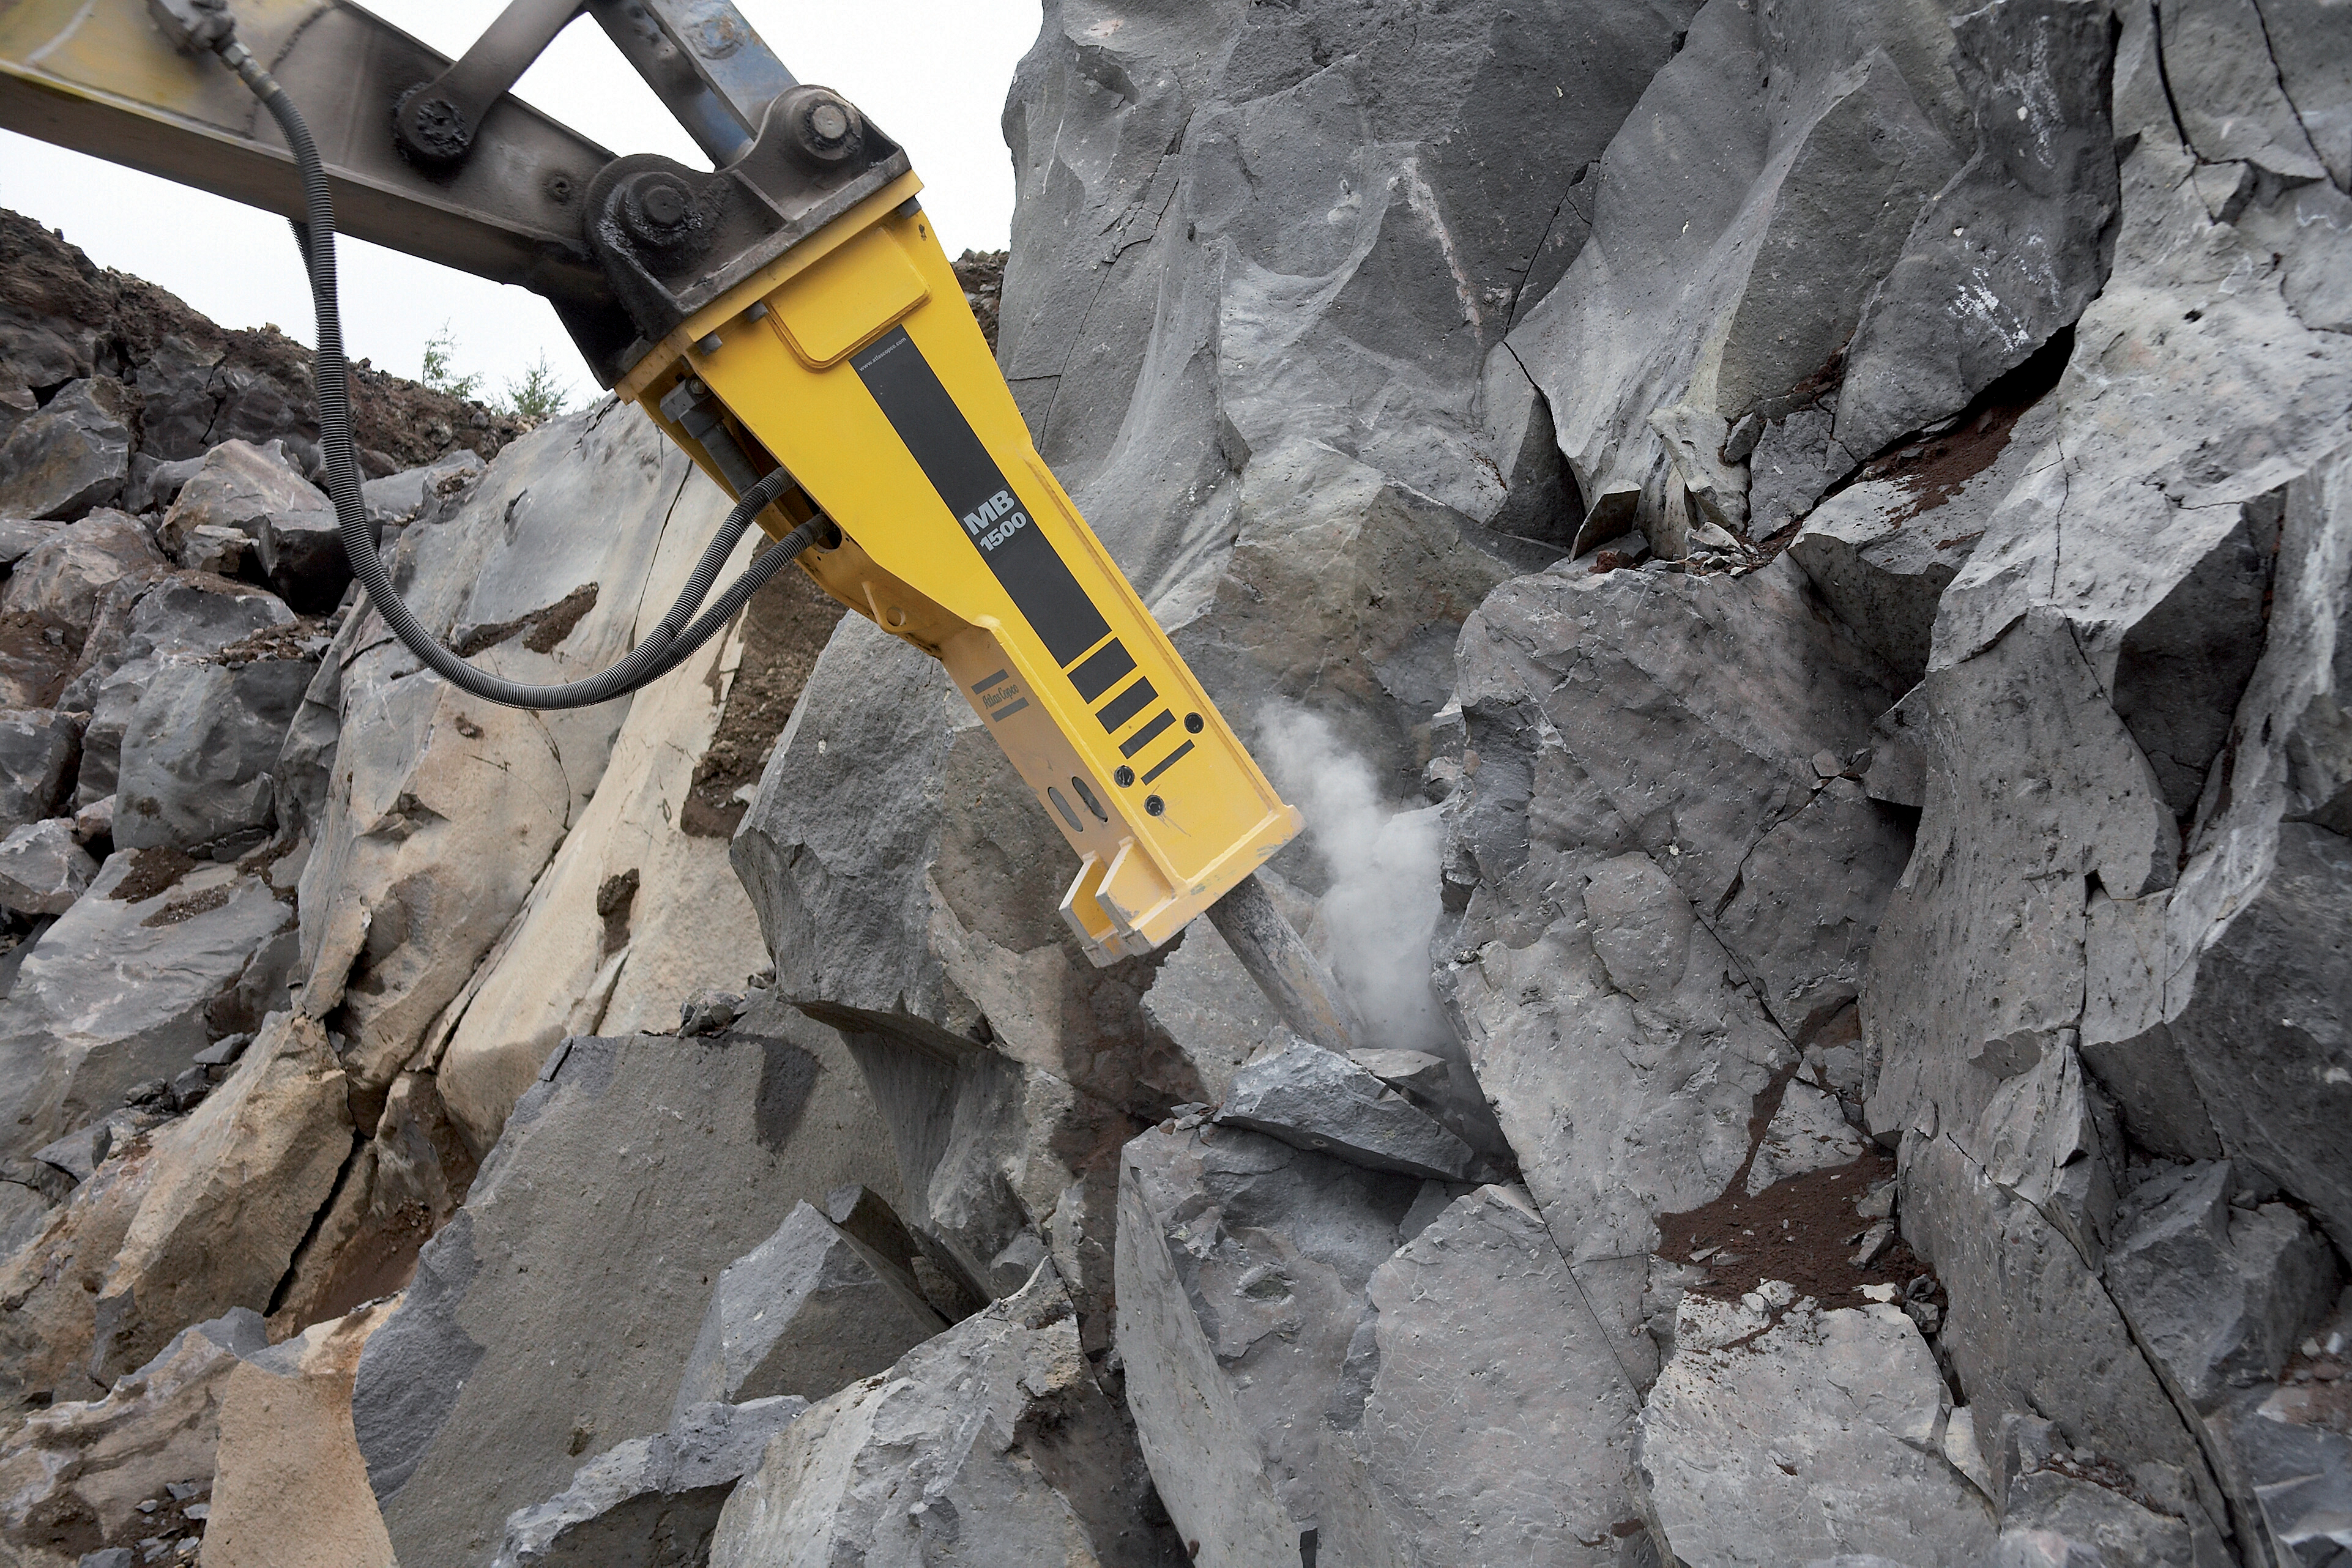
(439, 352)
(539, 396)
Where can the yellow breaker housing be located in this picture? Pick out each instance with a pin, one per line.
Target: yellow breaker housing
(853, 361)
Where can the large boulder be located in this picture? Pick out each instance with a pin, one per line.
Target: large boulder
(234, 1189)
(285, 1431)
(1780, 1432)
(1763, 186)
(991, 1441)
(440, 810)
(239, 485)
(1487, 1402)
(155, 962)
(1243, 1265)
(1654, 843)
(808, 1311)
(557, 1311)
(75, 453)
(59, 579)
(638, 911)
(37, 751)
(197, 752)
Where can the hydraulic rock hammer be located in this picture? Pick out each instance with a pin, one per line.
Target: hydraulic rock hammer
(787, 316)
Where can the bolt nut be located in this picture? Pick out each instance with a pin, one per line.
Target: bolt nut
(1124, 777)
(822, 129)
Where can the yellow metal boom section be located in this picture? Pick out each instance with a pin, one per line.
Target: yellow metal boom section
(855, 363)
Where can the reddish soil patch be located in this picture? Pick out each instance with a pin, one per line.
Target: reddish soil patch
(789, 621)
(1803, 1230)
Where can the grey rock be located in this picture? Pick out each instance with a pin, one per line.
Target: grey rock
(2219, 1295)
(1754, 198)
(122, 990)
(2062, 1505)
(60, 579)
(650, 1502)
(37, 751)
(198, 752)
(2000, 881)
(1485, 1402)
(74, 454)
(443, 802)
(221, 551)
(1780, 1432)
(43, 869)
(991, 1442)
(156, 484)
(2316, 73)
(302, 554)
(2010, 252)
(19, 536)
(402, 498)
(561, 1303)
(1187, 223)
(2030, 1327)
(1316, 1099)
(1243, 1265)
(1208, 1005)
(241, 487)
(1416, 1072)
(2180, 671)
(808, 1311)
(1807, 1133)
(2224, 69)
(1882, 550)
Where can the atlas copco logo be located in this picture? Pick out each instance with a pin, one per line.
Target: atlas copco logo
(995, 520)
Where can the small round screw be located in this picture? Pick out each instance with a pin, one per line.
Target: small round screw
(1194, 724)
(1124, 777)
(1153, 805)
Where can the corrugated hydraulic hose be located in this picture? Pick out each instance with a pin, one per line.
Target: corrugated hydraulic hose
(680, 631)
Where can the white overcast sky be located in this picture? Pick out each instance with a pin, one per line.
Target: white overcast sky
(933, 73)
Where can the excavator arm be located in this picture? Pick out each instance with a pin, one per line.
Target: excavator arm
(789, 318)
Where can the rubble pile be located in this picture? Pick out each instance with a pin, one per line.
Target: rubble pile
(1797, 558)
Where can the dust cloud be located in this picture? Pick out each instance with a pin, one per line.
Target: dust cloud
(1382, 905)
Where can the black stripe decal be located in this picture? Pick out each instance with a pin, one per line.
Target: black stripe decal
(995, 520)
(1102, 671)
(1009, 709)
(1127, 704)
(983, 685)
(1142, 737)
(1167, 762)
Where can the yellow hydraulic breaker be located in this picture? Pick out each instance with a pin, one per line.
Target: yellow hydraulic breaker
(853, 362)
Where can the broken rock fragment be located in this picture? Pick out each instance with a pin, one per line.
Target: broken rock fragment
(74, 454)
(42, 869)
(650, 1502)
(808, 1311)
(990, 1443)
(1484, 1402)
(1317, 1098)
(1780, 1433)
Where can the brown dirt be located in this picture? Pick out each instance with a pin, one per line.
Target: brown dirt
(188, 908)
(982, 273)
(157, 869)
(543, 630)
(1803, 1230)
(42, 276)
(1934, 469)
(791, 619)
(303, 638)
